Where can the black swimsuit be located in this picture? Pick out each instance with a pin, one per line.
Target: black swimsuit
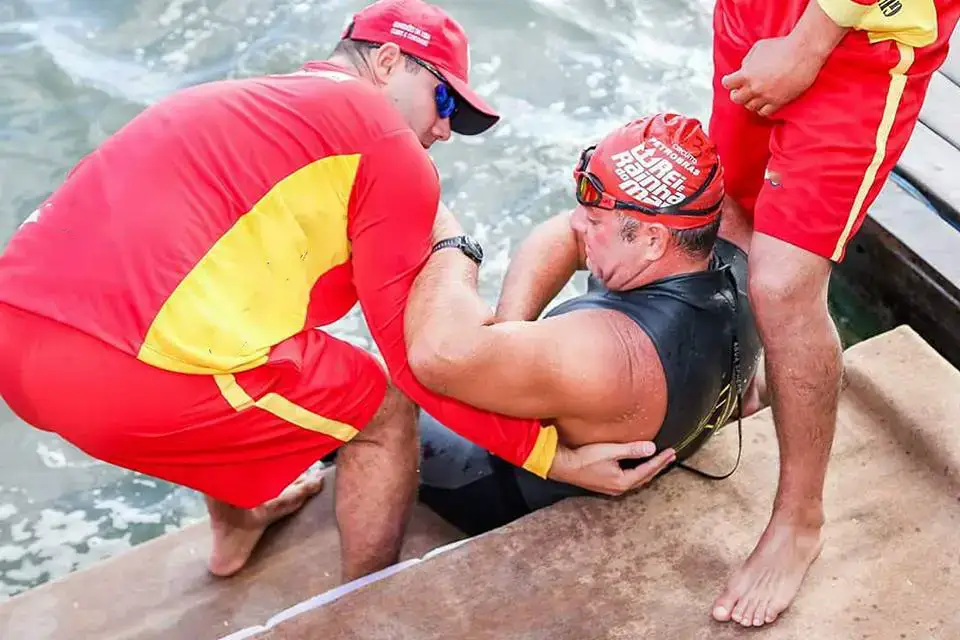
(693, 321)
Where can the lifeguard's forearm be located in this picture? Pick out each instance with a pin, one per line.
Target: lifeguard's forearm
(443, 317)
(444, 309)
(543, 264)
(390, 231)
(825, 22)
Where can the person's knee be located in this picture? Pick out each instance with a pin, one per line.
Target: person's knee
(773, 290)
(395, 420)
(785, 279)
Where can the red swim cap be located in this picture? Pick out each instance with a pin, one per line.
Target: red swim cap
(667, 165)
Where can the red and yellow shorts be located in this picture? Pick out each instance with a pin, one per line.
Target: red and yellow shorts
(808, 175)
(237, 438)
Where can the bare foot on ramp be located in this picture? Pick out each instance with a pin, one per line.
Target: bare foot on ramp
(769, 580)
(237, 531)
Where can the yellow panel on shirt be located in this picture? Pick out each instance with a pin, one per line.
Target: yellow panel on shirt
(252, 288)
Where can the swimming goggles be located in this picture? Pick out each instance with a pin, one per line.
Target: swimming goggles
(590, 193)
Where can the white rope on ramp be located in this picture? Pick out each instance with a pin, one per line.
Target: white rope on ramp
(337, 593)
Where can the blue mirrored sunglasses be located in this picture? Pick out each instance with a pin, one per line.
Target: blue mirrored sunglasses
(446, 102)
(443, 95)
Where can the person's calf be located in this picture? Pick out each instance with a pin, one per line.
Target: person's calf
(376, 487)
(803, 362)
(788, 292)
(736, 225)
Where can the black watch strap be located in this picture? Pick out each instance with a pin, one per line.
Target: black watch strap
(468, 246)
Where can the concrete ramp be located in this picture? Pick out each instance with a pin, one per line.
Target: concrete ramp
(161, 589)
(646, 566)
(649, 565)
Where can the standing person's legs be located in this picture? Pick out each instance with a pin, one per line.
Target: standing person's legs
(743, 144)
(788, 290)
(831, 152)
(742, 138)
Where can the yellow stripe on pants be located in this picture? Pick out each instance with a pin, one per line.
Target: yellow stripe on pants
(279, 406)
(898, 81)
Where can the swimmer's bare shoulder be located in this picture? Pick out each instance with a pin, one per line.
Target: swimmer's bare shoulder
(624, 390)
(593, 372)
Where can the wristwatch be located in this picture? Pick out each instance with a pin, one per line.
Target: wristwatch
(470, 247)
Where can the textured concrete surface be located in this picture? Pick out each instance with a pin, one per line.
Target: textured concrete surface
(161, 589)
(649, 565)
(645, 566)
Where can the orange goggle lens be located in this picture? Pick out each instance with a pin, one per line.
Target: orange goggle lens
(587, 193)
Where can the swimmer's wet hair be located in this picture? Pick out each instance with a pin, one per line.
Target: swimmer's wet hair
(697, 242)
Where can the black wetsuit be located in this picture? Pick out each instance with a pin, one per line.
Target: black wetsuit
(693, 321)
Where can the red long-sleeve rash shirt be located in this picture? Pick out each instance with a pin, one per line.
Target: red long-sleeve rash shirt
(231, 216)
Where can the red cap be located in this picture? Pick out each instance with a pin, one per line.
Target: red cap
(430, 34)
(665, 160)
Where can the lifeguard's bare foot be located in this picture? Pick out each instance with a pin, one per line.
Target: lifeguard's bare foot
(237, 531)
(769, 580)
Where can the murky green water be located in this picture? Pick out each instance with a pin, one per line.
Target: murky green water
(562, 72)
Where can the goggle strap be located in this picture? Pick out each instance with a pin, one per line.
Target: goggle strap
(582, 164)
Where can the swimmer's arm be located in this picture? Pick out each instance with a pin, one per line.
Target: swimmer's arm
(542, 265)
(564, 367)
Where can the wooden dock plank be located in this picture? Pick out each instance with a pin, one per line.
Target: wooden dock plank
(904, 263)
(931, 163)
(951, 68)
(941, 109)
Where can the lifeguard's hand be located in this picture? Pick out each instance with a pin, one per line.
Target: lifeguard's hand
(774, 73)
(595, 466)
(777, 70)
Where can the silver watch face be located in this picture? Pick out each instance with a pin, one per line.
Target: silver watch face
(473, 247)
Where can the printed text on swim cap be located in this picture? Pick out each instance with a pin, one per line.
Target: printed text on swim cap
(649, 174)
